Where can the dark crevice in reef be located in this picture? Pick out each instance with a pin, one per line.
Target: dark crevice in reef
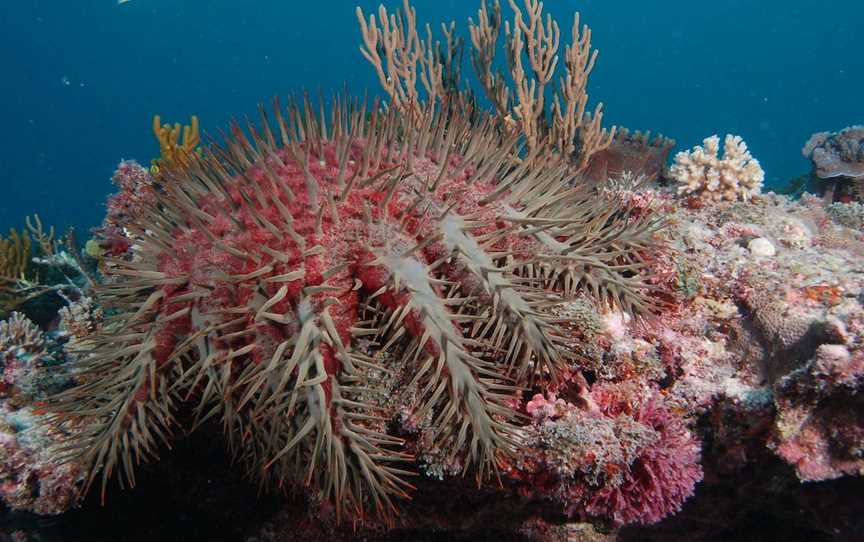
(193, 492)
(759, 501)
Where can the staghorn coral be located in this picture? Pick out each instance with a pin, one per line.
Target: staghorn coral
(272, 280)
(703, 173)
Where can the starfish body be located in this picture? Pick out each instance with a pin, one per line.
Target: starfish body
(275, 274)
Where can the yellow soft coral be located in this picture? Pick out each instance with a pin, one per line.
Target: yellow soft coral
(172, 150)
(702, 172)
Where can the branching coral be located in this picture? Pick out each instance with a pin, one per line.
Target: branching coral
(172, 149)
(272, 278)
(522, 107)
(15, 252)
(703, 173)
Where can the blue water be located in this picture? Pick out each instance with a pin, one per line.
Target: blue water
(81, 80)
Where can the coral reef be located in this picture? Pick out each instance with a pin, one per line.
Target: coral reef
(31, 477)
(800, 354)
(419, 320)
(40, 272)
(354, 295)
(705, 175)
(758, 355)
(850, 215)
(625, 457)
(634, 152)
(838, 159)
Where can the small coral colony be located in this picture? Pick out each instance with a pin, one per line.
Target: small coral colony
(369, 300)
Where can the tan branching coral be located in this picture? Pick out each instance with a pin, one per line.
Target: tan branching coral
(703, 173)
(45, 239)
(522, 104)
(405, 54)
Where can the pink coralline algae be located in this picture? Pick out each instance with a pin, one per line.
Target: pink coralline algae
(820, 425)
(137, 193)
(664, 471)
(623, 455)
(31, 477)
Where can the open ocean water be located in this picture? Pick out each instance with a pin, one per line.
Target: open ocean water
(81, 80)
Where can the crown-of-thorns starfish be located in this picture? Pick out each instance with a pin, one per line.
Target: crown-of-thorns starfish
(265, 264)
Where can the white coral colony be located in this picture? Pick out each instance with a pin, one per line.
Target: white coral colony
(703, 173)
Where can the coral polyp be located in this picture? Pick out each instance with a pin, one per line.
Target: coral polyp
(273, 278)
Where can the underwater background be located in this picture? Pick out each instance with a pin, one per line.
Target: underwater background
(82, 80)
